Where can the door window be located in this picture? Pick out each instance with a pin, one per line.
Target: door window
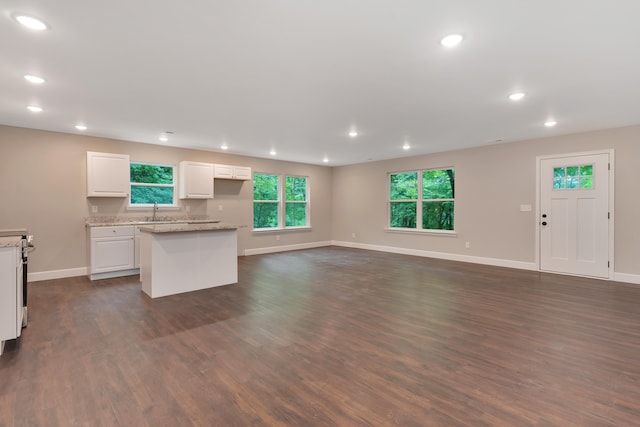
(573, 177)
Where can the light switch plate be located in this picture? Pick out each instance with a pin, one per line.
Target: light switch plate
(525, 208)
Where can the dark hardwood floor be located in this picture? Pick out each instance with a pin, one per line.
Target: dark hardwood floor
(330, 337)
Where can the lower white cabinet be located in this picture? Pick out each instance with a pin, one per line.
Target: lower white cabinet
(10, 294)
(112, 252)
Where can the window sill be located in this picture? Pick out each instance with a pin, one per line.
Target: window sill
(280, 230)
(150, 208)
(444, 233)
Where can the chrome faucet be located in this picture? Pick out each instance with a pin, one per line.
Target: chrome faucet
(155, 209)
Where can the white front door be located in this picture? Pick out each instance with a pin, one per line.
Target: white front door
(574, 215)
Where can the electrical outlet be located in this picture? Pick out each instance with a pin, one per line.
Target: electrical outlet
(467, 245)
(219, 207)
(278, 237)
(353, 235)
(187, 208)
(94, 208)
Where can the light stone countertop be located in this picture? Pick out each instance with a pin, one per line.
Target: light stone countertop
(10, 241)
(110, 221)
(181, 228)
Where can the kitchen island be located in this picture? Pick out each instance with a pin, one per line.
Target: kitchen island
(177, 258)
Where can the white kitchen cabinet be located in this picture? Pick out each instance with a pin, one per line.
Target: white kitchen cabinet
(10, 294)
(242, 173)
(136, 247)
(112, 252)
(107, 175)
(196, 180)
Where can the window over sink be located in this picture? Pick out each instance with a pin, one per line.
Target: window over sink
(152, 183)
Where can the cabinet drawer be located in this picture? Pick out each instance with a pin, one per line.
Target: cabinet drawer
(119, 231)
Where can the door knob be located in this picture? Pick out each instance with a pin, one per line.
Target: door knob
(544, 222)
(544, 215)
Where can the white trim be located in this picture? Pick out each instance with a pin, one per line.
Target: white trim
(627, 278)
(442, 255)
(446, 233)
(57, 274)
(285, 248)
(610, 152)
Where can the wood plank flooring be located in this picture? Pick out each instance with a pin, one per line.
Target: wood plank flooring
(330, 337)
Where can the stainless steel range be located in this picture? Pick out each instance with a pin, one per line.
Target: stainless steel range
(26, 244)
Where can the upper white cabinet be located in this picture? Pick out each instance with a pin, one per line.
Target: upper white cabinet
(196, 180)
(107, 175)
(232, 172)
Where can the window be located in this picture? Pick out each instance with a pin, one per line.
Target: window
(152, 184)
(422, 200)
(279, 200)
(571, 177)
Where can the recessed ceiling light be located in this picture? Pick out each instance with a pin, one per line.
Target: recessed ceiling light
(272, 152)
(81, 127)
(34, 108)
(516, 96)
(224, 146)
(451, 40)
(406, 146)
(353, 134)
(164, 138)
(325, 160)
(34, 79)
(31, 22)
(550, 123)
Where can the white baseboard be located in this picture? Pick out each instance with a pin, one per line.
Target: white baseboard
(56, 274)
(284, 248)
(627, 278)
(442, 255)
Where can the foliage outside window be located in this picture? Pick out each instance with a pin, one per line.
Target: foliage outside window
(271, 199)
(571, 177)
(422, 200)
(152, 184)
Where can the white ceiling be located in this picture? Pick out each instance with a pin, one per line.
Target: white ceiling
(297, 75)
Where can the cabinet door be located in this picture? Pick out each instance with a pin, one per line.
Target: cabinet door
(112, 254)
(223, 171)
(107, 175)
(242, 172)
(196, 180)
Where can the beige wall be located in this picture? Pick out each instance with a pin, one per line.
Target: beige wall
(43, 188)
(491, 183)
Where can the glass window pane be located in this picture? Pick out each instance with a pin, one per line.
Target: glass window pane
(296, 214)
(573, 182)
(403, 214)
(265, 215)
(586, 182)
(438, 184)
(586, 170)
(404, 186)
(559, 172)
(296, 188)
(572, 171)
(558, 183)
(437, 215)
(141, 194)
(265, 187)
(151, 174)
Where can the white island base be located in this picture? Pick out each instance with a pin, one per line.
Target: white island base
(176, 259)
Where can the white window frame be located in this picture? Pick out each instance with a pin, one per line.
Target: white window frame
(146, 206)
(282, 204)
(419, 202)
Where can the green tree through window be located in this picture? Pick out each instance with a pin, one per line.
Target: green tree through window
(152, 184)
(268, 197)
(430, 198)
